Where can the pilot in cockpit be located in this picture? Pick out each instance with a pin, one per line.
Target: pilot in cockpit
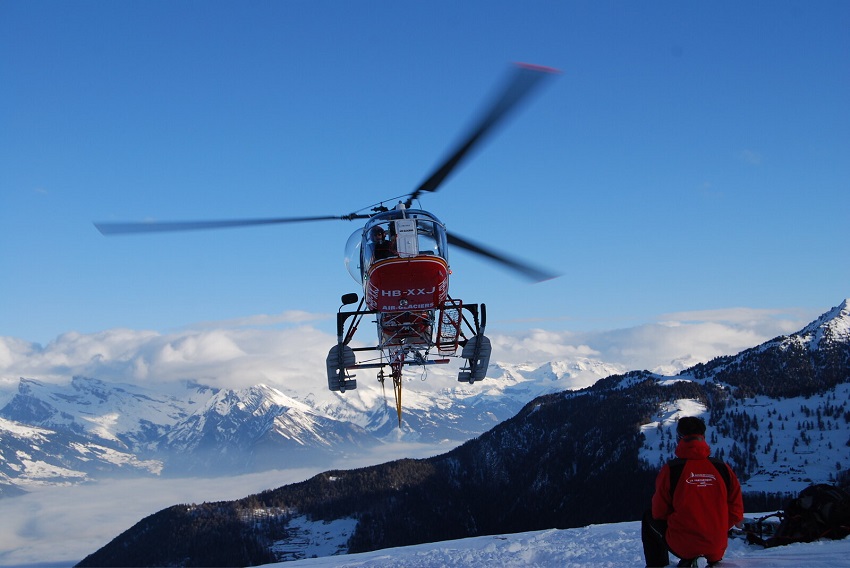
(381, 247)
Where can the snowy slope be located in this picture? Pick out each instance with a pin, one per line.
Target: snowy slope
(833, 326)
(780, 443)
(32, 456)
(797, 441)
(613, 545)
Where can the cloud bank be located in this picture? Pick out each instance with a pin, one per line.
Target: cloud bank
(671, 343)
(230, 357)
(246, 351)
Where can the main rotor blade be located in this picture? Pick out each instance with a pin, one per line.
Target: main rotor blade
(520, 84)
(172, 226)
(530, 272)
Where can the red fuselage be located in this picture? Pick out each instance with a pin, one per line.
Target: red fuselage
(407, 284)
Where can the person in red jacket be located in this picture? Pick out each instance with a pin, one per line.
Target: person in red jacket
(697, 500)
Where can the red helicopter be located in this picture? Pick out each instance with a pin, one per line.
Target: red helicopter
(400, 257)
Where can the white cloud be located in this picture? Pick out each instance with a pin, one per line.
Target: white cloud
(539, 345)
(675, 341)
(219, 357)
(235, 356)
(13, 349)
(770, 320)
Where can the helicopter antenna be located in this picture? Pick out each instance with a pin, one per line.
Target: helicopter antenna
(379, 207)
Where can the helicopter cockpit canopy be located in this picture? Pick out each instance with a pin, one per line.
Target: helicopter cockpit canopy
(398, 233)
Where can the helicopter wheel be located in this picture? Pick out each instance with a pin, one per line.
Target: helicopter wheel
(477, 354)
(339, 358)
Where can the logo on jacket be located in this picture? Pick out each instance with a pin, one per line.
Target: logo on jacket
(701, 479)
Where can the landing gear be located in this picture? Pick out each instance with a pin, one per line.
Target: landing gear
(477, 355)
(339, 359)
(406, 338)
(476, 350)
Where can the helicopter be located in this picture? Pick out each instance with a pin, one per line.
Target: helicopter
(400, 258)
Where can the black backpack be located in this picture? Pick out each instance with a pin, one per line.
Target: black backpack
(820, 511)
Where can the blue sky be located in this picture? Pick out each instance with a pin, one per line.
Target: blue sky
(691, 156)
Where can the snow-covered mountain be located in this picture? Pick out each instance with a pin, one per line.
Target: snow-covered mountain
(129, 416)
(60, 434)
(38, 456)
(190, 428)
(782, 416)
(253, 429)
(562, 461)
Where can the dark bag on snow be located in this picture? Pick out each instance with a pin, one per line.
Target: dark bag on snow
(820, 511)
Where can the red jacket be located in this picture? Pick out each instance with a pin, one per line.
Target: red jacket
(701, 511)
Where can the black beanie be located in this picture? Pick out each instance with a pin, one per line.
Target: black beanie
(690, 426)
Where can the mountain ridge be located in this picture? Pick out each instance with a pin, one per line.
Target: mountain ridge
(180, 428)
(192, 429)
(559, 462)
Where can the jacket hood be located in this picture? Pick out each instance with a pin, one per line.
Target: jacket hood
(693, 448)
